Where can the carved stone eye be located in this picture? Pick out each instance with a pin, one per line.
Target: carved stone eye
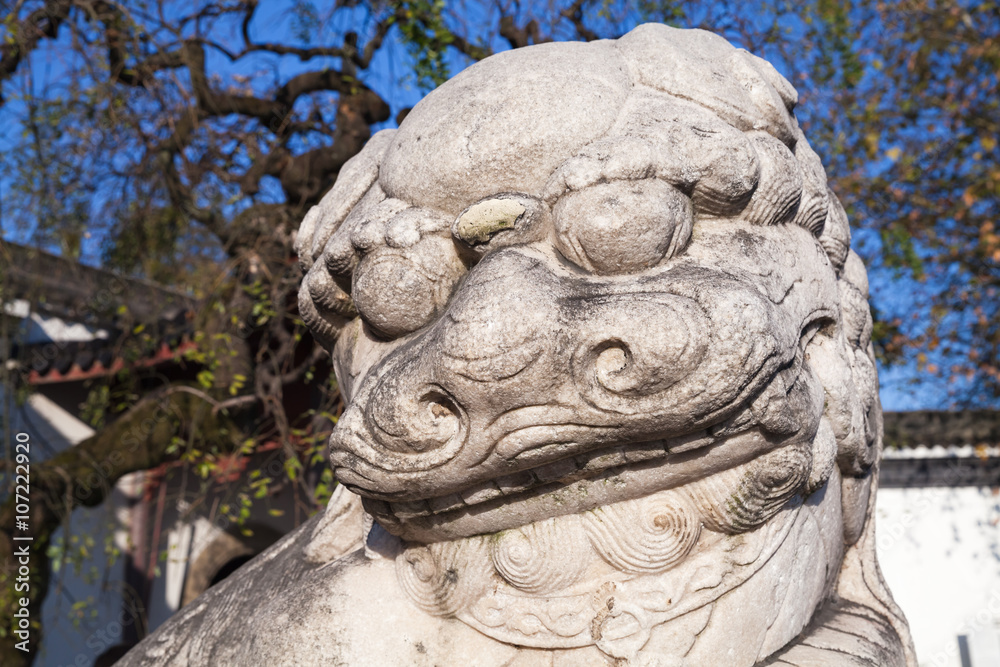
(624, 226)
(635, 347)
(502, 220)
(481, 221)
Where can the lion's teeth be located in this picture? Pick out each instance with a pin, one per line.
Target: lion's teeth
(409, 510)
(481, 493)
(555, 470)
(598, 461)
(515, 483)
(446, 503)
(645, 451)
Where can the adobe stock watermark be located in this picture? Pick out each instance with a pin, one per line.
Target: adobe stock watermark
(925, 500)
(22, 539)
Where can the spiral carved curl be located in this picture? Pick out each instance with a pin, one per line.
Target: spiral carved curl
(645, 536)
(542, 557)
(745, 497)
(445, 577)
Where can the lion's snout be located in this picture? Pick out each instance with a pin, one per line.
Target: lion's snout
(533, 368)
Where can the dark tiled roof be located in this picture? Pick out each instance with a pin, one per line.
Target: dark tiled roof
(940, 467)
(61, 289)
(79, 361)
(941, 449)
(930, 428)
(65, 288)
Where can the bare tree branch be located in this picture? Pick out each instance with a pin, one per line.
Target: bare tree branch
(43, 23)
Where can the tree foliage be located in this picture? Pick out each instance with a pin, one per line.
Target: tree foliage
(919, 166)
(899, 98)
(185, 143)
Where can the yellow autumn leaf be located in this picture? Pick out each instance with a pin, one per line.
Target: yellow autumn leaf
(871, 143)
(894, 153)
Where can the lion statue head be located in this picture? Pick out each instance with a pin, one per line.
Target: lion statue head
(605, 351)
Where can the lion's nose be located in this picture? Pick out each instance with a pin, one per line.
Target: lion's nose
(411, 418)
(421, 423)
(483, 354)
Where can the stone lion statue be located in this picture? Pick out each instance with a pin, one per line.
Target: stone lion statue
(611, 396)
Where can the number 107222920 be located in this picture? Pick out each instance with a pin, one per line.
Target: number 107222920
(22, 481)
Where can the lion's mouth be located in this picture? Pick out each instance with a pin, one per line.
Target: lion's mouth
(537, 470)
(556, 474)
(574, 483)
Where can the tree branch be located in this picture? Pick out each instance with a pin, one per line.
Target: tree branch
(574, 14)
(43, 23)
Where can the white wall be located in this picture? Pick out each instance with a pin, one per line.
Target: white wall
(939, 549)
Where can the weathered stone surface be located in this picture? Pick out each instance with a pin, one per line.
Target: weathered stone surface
(611, 392)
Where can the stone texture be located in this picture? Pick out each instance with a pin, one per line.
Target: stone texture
(611, 395)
